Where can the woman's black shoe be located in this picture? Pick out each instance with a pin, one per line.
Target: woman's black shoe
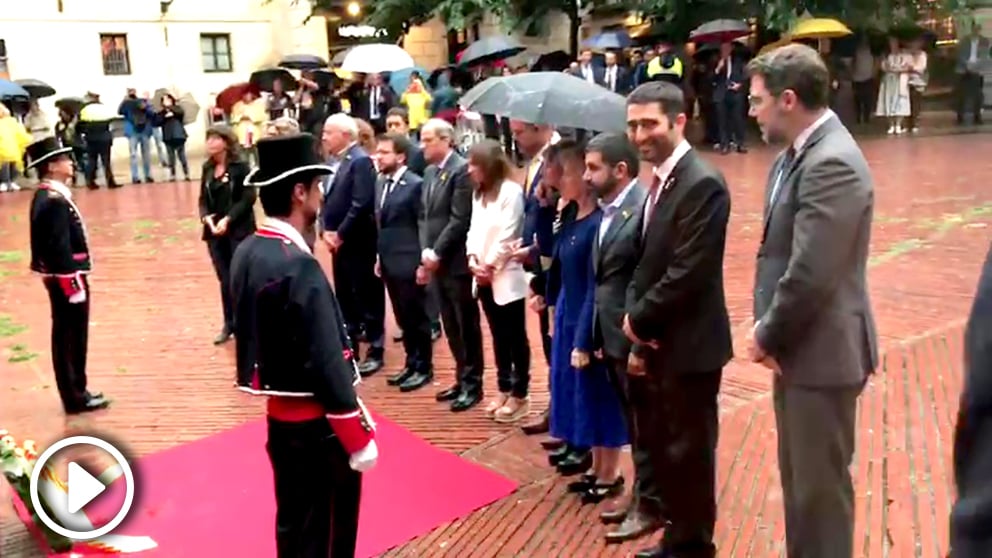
(599, 492)
(584, 484)
(559, 455)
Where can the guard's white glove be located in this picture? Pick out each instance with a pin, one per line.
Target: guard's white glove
(365, 458)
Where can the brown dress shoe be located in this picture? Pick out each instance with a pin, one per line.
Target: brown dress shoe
(634, 526)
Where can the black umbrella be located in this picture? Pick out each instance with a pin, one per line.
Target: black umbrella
(720, 31)
(303, 62)
(553, 98)
(490, 49)
(36, 88)
(326, 79)
(70, 105)
(263, 79)
(459, 77)
(552, 62)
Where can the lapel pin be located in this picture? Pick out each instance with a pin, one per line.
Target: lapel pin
(625, 214)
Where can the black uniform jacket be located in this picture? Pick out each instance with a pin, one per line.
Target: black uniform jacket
(58, 236)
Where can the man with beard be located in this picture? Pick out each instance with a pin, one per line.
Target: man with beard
(398, 200)
(676, 318)
(292, 346)
(814, 328)
(446, 211)
(612, 168)
(349, 231)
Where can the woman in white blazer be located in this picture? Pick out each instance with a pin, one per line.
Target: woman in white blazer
(500, 283)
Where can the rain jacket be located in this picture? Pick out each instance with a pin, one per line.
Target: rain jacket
(14, 139)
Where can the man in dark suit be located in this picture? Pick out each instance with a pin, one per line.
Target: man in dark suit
(729, 98)
(676, 318)
(349, 230)
(611, 167)
(374, 103)
(616, 78)
(972, 512)
(587, 70)
(60, 254)
(398, 202)
(814, 328)
(444, 221)
(398, 122)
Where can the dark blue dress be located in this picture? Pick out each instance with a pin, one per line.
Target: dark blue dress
(585, 410)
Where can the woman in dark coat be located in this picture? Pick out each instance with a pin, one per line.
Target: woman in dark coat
(226, 210)
(170, 117)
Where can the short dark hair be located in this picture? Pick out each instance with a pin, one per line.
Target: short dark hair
(668, 95)
(401, 112)
(798, 68)
(615, 148)
(277, 198)
(401, 143)
(565, 150)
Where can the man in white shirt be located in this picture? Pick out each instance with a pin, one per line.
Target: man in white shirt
(615, 78)
(587, 70)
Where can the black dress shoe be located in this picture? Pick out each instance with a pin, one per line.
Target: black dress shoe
(613, 516)
(449, 394)
(575, 463)
(552, 444)
(416, 381)
(741, 149)
(435, 332)
(369, 366)
(656, 552)
(586, 482)
(557, 456)
(89, 395)
(634, 526)
(398, 336)
(538, 426)
(601, 491)
(90, 405)
(223, 337)
(399, 377)
(465, 401)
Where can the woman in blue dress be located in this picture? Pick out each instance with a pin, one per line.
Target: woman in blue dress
(585, 410)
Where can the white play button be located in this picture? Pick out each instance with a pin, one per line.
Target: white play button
(82, 487)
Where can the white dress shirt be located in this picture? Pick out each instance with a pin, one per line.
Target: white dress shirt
(797, 147)
(390, 184)
(494, 228)
(661, 173)
(611, 209)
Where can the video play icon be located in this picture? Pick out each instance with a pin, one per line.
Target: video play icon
(82, 487)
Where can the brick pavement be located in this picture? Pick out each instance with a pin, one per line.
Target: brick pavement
(155, 311)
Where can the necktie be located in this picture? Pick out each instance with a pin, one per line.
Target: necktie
(653, 193)
(374, 100)
(387, 188)
(783, 171)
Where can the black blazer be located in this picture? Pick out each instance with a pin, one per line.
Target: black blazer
(446, 211)
(239, 206)
(971, 515)
(737, 75)
(58, 239)
(349, 205)
(397, 214)
(676, 294)
(415, 161)
(624, 82)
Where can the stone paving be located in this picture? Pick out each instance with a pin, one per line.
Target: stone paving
(155, 311)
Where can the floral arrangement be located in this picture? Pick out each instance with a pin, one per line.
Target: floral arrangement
(17, 462)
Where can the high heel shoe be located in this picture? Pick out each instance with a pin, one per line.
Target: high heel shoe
(586, 482)
(600, 491)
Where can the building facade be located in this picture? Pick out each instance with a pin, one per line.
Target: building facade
(187, 46)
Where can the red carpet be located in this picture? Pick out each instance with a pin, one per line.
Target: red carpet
(213, 497)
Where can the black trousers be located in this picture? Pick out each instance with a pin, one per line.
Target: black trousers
(730, 116)
(864, 100)
(508, 327)
(70, 337)
(462, 329)
(409, 306)
(317, 493)
(360, 293)
(680, 430)
(98, 153)
(631, 391)
(970, 96)
(221, 249)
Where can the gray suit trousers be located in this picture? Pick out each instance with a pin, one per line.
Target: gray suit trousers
(816, 440)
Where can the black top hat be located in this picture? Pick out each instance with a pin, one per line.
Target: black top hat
(285, 157)
(44, 149)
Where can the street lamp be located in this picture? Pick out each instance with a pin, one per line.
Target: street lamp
(353, 9)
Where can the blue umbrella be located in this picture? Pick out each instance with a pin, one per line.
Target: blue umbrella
(9, 90)
(400, 79)
(608, 40)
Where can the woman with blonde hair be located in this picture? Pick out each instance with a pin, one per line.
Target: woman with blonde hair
(14, 140)
(499, 281)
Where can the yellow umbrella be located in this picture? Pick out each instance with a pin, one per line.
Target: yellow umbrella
(343, 74)
(819, 28)
(772, 46)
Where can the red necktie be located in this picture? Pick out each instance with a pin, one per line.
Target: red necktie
(654, 191)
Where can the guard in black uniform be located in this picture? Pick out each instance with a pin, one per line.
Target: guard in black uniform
(61, 255)
(292, 346)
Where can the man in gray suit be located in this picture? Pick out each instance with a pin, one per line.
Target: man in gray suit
(973, 52)
(611, 167)
(814, 327)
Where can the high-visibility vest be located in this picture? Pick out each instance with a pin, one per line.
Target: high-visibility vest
(656, 69)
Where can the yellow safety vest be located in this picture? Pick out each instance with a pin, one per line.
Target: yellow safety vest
(656, 69)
